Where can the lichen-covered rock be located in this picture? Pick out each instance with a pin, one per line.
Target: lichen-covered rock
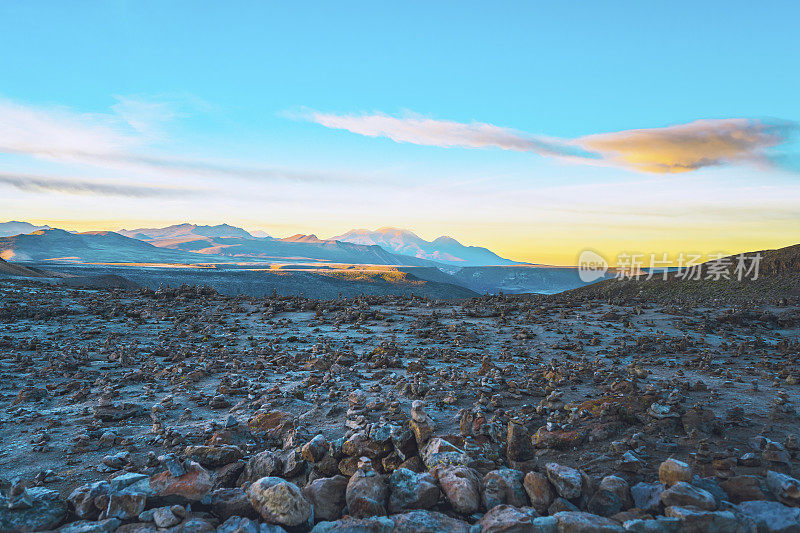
(462, 487)
(672, 471)
(694, 520)
(87, 501)
(263, 464)
(367, 491)
(567, 481)
(213, 456)
(580, 522)
(280, 502)
(327, 495)
(409, 490)
(620, 488)
(786, 489)
(682, 494)
(508, 519)
(194, 485)
(231, 502)
(504, 485)
(647, 496)
(238, 524)
(772, 517)
(349, 524)
(421, 521)
(540, 492)
(45, 510)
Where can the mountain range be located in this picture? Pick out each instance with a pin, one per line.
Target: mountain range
(384, 246)
(442, 249)
(95, 246)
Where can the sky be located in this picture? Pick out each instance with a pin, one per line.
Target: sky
(536, 129)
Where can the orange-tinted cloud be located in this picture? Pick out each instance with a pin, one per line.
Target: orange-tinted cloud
(678, 148)
(687, 147)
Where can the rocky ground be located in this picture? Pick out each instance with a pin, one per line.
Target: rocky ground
(185, 410)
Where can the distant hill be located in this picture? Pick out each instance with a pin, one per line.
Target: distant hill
(185, 230)
(778, 278)
(97, 246)
(16, 227)
(442, 249)
(230, 242)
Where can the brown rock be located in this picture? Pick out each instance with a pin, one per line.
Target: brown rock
(540, 491)
(672, 471)
(194, 485)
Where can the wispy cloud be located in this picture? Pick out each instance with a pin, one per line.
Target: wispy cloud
(120, 141)
(27, 182)
(430, 132)
(671, 149)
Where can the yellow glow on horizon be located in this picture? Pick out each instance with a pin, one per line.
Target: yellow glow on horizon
(557, 244)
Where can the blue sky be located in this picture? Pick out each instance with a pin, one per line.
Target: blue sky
(234, 83)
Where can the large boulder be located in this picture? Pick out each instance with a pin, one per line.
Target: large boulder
(672, 471)
(327, 495)
(420, 521)
(580, 522)
(604, 503)
(661, 524)
(226, 503)
(213, 456)
(45, 510)
(540, 491)
(264, 464)
(409, 490)
(280, 502)
(772, 517)
(87, 501)
(744, 488)
(682, 494)
(518, 443)
(349, 524)
(125, 505)
(694, 520)
(440, 452)
(193, 485)
(367, 491)
(504, 486)
(238, 524)
(567, 481)
(647, 496)
(620, 488)
(786, 489)
(509, 519)
(462, 487)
